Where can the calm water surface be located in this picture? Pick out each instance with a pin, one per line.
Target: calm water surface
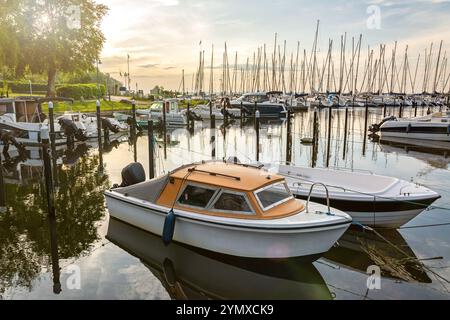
(116, 261)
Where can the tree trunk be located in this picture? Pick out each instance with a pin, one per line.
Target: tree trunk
(51, 84)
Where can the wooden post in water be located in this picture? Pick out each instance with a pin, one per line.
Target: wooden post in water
(99, 134)
(53, 140)
(213, 137)
(345, 132)
(151, 146)
(400, 112)
(289, 138)
(164, 127)
(45, 139)
(415, 107)
(257, 115)
(2, 185)
(133, 111)
(384, 109)
(242, 115)
(188, 113)
(52, 124)
(366, 120)
(254, 113)
(315, 139)
(330, 111)
(210, 108)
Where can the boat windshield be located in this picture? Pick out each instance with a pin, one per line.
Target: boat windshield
(273, 195)
(157, 106)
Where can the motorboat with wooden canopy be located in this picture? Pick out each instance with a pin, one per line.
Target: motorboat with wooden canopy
(228, 208)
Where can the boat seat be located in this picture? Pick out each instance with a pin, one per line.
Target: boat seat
(148, 190)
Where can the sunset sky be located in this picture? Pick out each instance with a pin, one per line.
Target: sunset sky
(163, 36)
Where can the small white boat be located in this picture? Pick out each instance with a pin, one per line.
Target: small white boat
(204, 112)
(23, 117)
(229, 209)
(174, 117)
(370, 199)
(431, 127)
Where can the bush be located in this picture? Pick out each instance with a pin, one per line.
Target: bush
(76, 91)
(24, 87)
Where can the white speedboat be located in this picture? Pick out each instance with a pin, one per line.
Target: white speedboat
(229, 209)
(204, 112)
(370, 199)
(174, 117)
(431, 127)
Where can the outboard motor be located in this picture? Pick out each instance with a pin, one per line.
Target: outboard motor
(8, 138)
(108, 124)
(132, 174)
(71, 130)
(246, 111)
(193, 116)
(376, 127)
(227, 113)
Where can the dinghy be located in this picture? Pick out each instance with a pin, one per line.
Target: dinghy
(370, 199)
(226, 208)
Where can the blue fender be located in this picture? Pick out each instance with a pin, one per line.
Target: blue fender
(169, 228)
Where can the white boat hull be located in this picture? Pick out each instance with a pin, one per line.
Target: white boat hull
(370, 199)
(417, 130)
(220, 236)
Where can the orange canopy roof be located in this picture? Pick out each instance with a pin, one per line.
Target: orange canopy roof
(227, 175)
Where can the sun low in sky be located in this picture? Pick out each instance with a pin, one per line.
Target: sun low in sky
(165, 36)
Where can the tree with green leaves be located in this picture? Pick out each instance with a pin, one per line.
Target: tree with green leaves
(55, 36)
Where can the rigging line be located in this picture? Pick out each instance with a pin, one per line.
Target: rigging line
(348, 291)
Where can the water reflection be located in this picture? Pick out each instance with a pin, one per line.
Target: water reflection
(189, 273)
(359, 249)
(25, 234)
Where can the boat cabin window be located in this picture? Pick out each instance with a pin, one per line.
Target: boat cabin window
(196, 196)
(232, 202)
(273, 195)
(6, 108)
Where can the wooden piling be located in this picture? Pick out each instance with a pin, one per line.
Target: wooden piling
(289, 138)
(330, 114)
(45, 140)
(99, 133)
(257, 115)
(366, 120)
(164, 128)
(345, 132)
(213, 136)
(2, 186)
(151, 146)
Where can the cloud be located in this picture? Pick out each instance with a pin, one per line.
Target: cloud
(149, 66)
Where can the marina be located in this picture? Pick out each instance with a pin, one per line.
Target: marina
(239, 152)
(410, 267)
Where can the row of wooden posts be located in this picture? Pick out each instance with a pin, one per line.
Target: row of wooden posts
(49, 146)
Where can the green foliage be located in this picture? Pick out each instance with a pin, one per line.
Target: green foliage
(79, 91)
(47, 41)
(24, 87)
